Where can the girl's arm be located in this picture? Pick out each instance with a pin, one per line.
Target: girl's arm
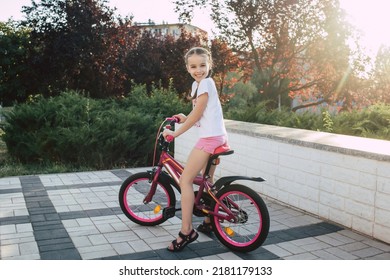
(194, 116)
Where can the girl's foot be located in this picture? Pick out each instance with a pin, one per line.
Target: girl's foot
(183, 240)
(205, 227)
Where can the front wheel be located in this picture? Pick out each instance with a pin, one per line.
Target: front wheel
(131, 199)
(252, 223)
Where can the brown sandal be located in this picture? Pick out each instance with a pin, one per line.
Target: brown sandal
(185, 240)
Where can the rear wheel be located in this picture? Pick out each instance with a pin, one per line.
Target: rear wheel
(131, 199)
(251, 227)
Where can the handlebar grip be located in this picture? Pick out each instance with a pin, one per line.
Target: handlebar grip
(173, 119)
(169, 138)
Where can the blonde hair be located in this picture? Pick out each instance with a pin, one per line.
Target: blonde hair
(199, 51)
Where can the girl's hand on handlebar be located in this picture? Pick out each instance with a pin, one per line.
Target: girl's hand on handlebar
(168, 135)
(182, 118)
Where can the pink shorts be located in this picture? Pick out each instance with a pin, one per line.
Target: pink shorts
(209, 144)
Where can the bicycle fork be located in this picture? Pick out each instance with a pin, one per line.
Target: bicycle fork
(167, 212)
(153, 180)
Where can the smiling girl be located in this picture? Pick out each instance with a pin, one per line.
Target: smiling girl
(207, 117)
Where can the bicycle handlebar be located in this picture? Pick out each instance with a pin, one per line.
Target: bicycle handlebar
(169, 138)
(173, 119)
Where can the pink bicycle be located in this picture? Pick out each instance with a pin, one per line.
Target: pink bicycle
(239, 216)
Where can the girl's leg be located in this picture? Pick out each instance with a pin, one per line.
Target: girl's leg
(196, 161)
(211, 172)
(205, 227)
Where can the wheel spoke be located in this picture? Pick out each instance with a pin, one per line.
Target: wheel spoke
(132, 195)
(251, 224)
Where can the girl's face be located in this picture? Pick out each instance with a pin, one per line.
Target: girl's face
(198, 66)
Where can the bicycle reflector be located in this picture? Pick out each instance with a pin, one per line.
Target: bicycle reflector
(157, 209)
(229, 231)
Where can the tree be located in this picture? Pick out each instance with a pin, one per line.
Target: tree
(224, 61)
(160, 59)
(15, 74)
(333, 69)
(381, 76)
(76, 46)
(285, 40)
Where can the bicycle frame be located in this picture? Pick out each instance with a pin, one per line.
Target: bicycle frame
(175, 170)
(238, 215)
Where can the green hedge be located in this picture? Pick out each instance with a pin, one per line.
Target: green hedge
(72, 129)
(261, 113)
(77, 130)
(371, 122)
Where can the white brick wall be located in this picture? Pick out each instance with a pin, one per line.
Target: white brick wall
(341, 178)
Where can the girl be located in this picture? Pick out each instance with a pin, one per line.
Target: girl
(207, 116)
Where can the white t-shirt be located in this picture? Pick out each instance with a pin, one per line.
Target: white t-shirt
(211, 123)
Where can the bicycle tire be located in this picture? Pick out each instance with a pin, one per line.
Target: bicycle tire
(250, 232)
(132, 193)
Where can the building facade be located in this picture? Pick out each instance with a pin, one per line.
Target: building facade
(173, 29)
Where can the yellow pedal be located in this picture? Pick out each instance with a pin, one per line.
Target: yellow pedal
(157, 209)
(229, 231)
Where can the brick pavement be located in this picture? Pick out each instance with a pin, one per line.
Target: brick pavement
(77, 216)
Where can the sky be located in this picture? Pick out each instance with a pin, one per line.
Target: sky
(371, 16)
(142, 10)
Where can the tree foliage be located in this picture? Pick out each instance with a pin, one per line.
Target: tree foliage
(159, 59)
(380, 91)
(14, 71)
(296, 47)
(224, 62)
(290, 50)
(80, 45)
(76, 46)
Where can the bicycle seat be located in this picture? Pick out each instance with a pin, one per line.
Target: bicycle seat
(223, 150)
(219, 151)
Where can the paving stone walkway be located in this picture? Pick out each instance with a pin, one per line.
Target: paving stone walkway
(77, 216)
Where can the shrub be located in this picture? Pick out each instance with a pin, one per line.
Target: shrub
(160, 102)
(261, 113)
(74, 129)
(373, 122)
